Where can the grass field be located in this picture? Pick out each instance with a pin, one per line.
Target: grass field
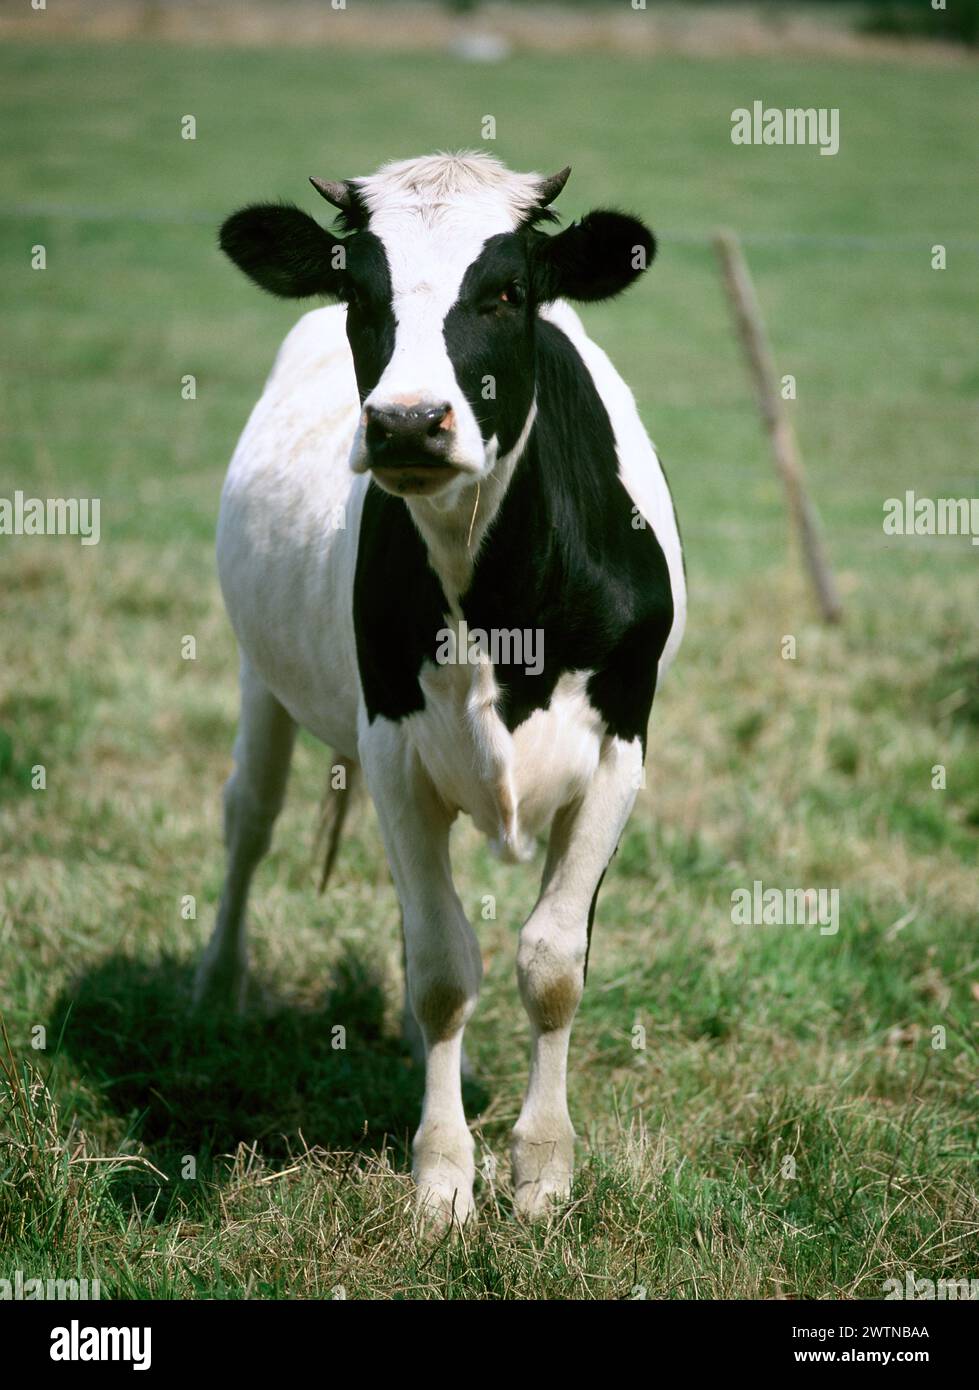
(762, 1043)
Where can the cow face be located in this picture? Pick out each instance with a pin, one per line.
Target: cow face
(442, 266)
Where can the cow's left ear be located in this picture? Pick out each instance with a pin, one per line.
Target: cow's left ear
(596, 258)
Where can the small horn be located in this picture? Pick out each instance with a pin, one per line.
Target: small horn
(552, 185)
(336, 193)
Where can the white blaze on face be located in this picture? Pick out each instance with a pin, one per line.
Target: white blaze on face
(434, 216)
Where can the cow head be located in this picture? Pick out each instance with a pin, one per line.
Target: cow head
(442, 263)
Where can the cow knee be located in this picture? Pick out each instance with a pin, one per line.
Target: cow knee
(443, 1000)
(443, 989)
(442, 1008)
(248, 818)
(550, 970)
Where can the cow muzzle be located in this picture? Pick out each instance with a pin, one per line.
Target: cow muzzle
(409, 447)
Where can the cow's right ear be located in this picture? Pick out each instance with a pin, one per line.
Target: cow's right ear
(285, 251)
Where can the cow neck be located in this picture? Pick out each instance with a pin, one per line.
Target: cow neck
(453, 534)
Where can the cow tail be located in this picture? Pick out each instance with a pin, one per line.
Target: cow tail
(333, 813)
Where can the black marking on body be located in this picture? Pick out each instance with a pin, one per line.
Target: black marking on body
(399, 607)
(561, 555)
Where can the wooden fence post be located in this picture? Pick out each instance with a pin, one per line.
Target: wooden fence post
(785, 448)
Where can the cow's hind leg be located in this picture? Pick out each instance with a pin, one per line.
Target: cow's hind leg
(551, 962)
(253, 797)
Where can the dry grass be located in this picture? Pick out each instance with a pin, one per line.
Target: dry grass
(759, 1043)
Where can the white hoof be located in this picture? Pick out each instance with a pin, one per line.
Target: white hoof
(542, 1175)
(439, 1207)
(220, 983)
(538, 1201)
(444, 1182)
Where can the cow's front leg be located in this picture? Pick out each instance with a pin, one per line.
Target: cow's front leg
(443, 963)
(551, 968)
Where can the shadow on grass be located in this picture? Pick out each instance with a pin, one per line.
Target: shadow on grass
(276, 1077)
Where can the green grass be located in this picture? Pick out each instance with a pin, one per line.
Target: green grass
(760, 1042)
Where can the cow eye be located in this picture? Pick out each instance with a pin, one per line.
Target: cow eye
(512, 294)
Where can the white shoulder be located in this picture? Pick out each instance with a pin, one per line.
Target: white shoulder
(317, 337)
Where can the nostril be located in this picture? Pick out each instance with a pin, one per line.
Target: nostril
(439, 419)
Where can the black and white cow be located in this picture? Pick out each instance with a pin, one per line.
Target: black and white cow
(448, 549)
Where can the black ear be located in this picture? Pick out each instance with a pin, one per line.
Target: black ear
(596, 258)
(284, 251)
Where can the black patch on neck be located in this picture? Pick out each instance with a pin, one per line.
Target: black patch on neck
(399, 607)
(562, 555)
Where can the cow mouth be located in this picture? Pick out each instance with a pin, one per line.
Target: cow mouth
(411, 473)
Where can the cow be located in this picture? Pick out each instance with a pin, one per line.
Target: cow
(448, 549)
